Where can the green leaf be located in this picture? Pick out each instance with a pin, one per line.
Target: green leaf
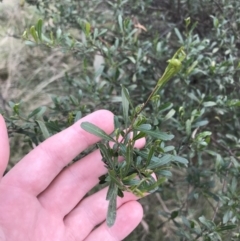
(112, 212)
(209, 103)
(179, 35)
(125, 105)
(39, 29)
(153, 187)
(105, 154)
(169, 115)
(168, 148)
(39, 110)
(87, 28)
(114, 178)
(145, 126)
(112, 206)
(91, 128)
(126, 94)
(34, 34)
(174, 214)
(131, 182)
(191, 68)
(164, 173)
(165, 107)
(128, 158)
(116, 122)
(139, 136)
(226, 227)
(209, 224)
(43, 129)
(132, 59)
(59, 33)
(15, 107)
(111, 190)
(180, 159)
(150, 155)
(120, 22)
(78, 116)
(188, 127)
(157, 162)
(156, 134)
(120, 193)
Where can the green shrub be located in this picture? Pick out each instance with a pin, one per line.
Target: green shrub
(107, 46)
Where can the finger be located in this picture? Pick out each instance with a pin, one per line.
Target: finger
(128, 217)
(74, 182)
(92, 211)
(37, 170)
(4, 146)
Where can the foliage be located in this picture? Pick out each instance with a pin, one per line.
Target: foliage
(200, 106)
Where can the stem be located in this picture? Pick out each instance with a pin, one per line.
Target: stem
(141, 109)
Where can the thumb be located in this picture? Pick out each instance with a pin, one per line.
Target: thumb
(4, 146)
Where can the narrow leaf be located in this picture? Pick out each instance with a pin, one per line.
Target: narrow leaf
(150, 155)
(91, 128)
(39, 110)
(111, 190)
(129, 157)
(105, 154)
(157, 162)
(112, 212)
(139, 136)
(125, 106)
(156, 134)
(43, 129)
(39, 29)
(34, 34)
(114, 179)
(146, 126)
(78, 116)
(153, 187)
(120, 22)
(116, 122)
(112, 206)
(169, 115)
(126, 93)
(180, 159)
(209, 103)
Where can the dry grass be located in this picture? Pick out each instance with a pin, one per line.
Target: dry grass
(27, 74)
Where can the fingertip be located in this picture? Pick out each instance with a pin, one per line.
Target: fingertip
(4, 149)
(140, 143)
(129, 215)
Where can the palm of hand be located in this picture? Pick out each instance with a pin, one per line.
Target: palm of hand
(42, 200)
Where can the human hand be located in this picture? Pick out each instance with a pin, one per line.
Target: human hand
(43, 200)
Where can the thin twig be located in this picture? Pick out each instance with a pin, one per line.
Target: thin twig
(225, 148)
(162, 203)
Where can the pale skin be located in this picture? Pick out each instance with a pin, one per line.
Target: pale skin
(43, 200)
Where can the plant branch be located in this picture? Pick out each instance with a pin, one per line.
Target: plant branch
(225, 179)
